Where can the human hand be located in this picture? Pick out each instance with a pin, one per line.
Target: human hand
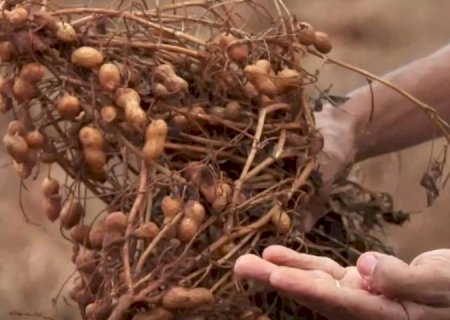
(337, 126)
(387, 289)
(425, 281)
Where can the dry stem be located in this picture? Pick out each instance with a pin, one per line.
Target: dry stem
(152, 245)
(137, 206)
(242, 231)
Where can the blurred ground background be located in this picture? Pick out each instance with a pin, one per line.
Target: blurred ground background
(375, 35)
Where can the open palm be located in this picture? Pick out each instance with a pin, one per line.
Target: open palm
(323, 285)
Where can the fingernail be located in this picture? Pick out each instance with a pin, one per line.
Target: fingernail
(366, 265)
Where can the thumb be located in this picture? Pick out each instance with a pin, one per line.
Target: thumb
(314, 211)
(393, 278)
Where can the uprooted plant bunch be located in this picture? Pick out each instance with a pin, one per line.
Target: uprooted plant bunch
(197, 136)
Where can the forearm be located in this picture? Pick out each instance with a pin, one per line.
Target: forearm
(398, 123)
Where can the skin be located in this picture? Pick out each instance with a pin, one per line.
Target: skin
(379, 286)
(350, 135)
(389, 290)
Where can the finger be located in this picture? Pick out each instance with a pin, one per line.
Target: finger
(423, 312)
(286, 257)
(326, 298)
(426, 284)
(365, 266)
(252, 267)
(433, 256)
(313, 212)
